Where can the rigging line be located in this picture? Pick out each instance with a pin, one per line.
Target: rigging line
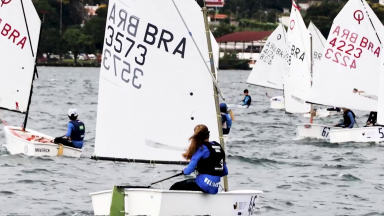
(201, 55)
(26, 24)
(366, 11)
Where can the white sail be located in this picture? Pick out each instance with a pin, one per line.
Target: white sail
(269, 69)
(215, 51)
(318, 42)
(19, 38)
(351, 60)
(380, 32)
(297, 79)
(162, 89)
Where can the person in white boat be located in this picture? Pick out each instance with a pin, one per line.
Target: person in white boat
(75, 134)
(226, 119)
(208, 158)
(349, 119)
(247, 99)
(372, 119)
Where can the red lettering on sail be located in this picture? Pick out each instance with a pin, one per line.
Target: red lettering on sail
(364, 42)
(337, 30)
(13, 35)
(6, 29)
(345, 33)
(353, 37)
(377, 52)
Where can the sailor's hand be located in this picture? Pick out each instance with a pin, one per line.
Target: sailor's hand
(182, 172)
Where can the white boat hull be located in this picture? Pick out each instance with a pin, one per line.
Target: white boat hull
(155, 202)
(277, 102)
(17, 143)
(313, 131)
(364, 134)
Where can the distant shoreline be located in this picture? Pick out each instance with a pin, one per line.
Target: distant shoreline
(64, 64)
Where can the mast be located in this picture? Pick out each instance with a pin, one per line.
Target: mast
(311, 45)
(214, 87)
(35, 70)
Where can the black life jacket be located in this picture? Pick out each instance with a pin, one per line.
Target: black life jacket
(347, 120)
(249, 101)
(373, 117)
(78, 133)
(214, 164)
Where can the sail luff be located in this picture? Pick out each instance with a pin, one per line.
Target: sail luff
(35, 69)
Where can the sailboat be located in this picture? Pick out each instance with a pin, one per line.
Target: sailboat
(352, 59)
(297, 76)
(318, 43)
(268, 70)
(166, 64)
(19, 41)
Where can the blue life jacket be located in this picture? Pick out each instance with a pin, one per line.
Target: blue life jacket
(229, 120)
(78, 133)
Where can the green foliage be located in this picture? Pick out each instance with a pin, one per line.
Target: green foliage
(231, 61)
(78, 42)
(323, 15)
(256, 26)
(223, 29)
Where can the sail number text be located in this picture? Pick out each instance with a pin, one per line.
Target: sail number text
(269, 52)
(125, 54)
(12, 34)
(347, 47)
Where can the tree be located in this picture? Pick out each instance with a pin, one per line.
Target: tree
(77, 41)
(223, 29)
(95, 27)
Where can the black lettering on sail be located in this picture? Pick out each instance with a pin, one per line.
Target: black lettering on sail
(112, 15)
(182, 46)
(302, 57)
(151, 34)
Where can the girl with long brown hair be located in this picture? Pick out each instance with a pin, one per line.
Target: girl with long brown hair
(208, 158)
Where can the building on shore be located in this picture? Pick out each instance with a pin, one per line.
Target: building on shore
(247, 44)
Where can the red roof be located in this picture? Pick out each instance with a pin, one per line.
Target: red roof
(245, 36)
(219, 16)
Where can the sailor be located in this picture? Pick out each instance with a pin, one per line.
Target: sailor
(75, 134)
(372, 119)
(247, 99)
(349, 119)
(226, 119)
(209, 160)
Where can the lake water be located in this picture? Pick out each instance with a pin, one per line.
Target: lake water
(299, 177)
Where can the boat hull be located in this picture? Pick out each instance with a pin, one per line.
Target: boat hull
(364, 134)
(315, 131)
(17, 143)
(165, 202)
(277, 102)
